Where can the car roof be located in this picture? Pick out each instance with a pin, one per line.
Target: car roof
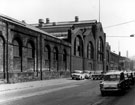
(113, 72)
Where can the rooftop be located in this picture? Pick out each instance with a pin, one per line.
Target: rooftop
(49, 24)
(23, 24)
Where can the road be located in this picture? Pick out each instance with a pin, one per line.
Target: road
(83, 92)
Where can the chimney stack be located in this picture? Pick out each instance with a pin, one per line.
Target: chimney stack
(41, 22)
(76, 18)
(47, 20)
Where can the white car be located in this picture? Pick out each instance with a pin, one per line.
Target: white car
(78, 74)
(87, 74)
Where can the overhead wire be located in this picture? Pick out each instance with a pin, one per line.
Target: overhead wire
(119, 24)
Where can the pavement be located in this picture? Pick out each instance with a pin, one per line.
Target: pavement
(35, 84)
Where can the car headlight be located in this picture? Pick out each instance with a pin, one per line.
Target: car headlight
(118, 85)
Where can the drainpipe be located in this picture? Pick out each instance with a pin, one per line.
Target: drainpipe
(70, 60)
(41, 57)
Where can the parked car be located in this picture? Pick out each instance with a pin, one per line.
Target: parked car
(113, 81)
(78, 74)
(97, 75)
(87, 74)
(130, 76)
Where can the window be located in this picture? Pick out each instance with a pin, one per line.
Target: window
(47, 57)
(107, 56)
(16, 48)
(64, 56)
(90, 51)
(78, 46)
(100, 49)
(55, 54)
(47, 53)
(30, 50)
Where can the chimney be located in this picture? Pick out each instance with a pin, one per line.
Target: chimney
(47, 20)
(23, 21)
(54, 23)
(76, 18)
(41, 22)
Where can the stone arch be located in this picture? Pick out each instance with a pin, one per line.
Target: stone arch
(30, 55)
(47, 51)
(17, 47)
(17, 54)
(55, 58)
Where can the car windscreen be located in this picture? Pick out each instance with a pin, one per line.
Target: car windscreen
(111, 77)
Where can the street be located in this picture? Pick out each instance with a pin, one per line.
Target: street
(80, 92)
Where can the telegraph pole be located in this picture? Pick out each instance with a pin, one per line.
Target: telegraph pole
(99, 10)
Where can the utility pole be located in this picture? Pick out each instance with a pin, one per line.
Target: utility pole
(99, 10)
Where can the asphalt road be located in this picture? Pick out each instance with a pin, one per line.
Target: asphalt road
(84, 92)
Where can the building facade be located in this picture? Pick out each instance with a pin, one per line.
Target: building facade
(50, 50)
(27, 53)
(87, 39)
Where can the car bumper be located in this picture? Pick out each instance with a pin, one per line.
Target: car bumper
(76, 77)
(110, 89)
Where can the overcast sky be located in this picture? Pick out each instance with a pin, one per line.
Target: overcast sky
(116, 16)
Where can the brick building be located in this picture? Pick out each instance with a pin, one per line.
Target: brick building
(87, 39)
(28, 53)
(49, 50)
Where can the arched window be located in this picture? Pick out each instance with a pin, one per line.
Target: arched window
(2, 55)
(55, 59)
(64, 59)
(47, 53)
(90, 51)
(55, 54)
(64, 56)
(47, 57)
(78, 46)
(17, 51)
(100, 49)
(30, 50)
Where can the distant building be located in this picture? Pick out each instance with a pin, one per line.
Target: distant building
(114, 61)
(118, 62)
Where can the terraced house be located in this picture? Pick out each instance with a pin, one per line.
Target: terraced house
(49, 49)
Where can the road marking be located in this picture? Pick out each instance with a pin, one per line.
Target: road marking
(36, 93)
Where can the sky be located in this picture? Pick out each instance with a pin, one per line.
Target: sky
(117, 16)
